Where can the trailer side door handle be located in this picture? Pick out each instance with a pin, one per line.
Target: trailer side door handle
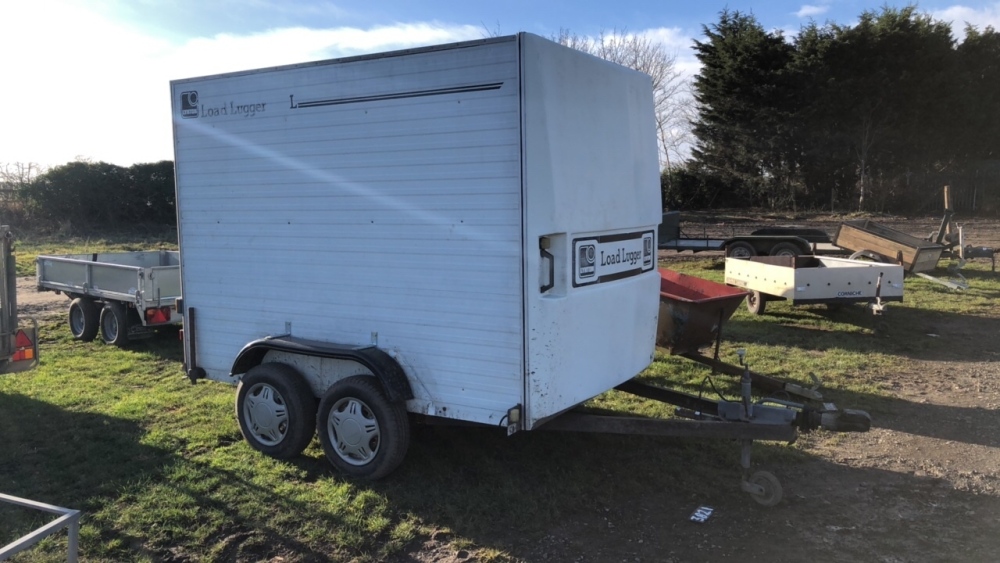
(543, 245)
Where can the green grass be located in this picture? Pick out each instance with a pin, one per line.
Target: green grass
(161, 472)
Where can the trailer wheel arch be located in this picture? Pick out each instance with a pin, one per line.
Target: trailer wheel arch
(385, 368)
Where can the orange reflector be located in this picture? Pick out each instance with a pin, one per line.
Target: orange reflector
(22, 355)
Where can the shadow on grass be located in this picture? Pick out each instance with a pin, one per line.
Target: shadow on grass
(164, 343)
(568, 497)
(68, 459)
(963, 424)
(912, 333)
(100, 465)
(535, 496)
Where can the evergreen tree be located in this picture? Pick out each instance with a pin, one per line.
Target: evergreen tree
(744, 98)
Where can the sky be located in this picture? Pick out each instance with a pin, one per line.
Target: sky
(89, 79)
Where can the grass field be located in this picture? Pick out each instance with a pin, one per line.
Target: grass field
(161, 472)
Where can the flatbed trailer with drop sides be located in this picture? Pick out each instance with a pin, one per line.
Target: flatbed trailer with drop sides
(768, 241)
(121, 295)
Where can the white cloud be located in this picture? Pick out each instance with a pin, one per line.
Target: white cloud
(959, 16)
(808, 11)
(81, 85)
(679, 44)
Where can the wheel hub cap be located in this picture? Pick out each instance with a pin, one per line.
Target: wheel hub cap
(354, 431)
(265, 414)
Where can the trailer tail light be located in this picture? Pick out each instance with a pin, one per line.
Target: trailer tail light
(158, 315)
(24, 347)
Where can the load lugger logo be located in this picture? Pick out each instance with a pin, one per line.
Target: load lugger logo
(611, 257)
(189, 104)
(191, 107)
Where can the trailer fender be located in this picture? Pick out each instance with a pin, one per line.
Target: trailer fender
(385, 367)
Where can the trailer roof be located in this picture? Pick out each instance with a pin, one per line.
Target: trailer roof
(386, 54)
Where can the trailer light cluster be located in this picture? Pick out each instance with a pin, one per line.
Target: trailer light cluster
(158, 315)
(25, 347)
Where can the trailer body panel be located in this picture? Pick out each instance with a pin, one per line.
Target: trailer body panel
(404, 201)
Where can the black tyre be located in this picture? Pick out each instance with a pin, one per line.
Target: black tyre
(114, 324)
(867, 256)
(84, 319)
(785, 249)
(276, 410)
(740, 249)
(363, 434)
(756, 302)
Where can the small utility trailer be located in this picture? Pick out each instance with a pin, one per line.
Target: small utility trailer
(769, 241)
(122, 295)
(692, 314)
(815, 279)
(865, 237)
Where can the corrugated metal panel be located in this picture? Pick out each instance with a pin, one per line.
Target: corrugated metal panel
(399, 216)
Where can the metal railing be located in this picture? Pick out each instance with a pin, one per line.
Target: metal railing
(69, 519)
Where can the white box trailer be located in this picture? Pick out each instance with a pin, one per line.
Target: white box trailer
(465, 231)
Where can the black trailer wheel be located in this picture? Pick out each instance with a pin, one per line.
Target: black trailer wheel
(785, 249)
(772, 493)
(867, 256)
(84, 319)
(363, 434)
(114, 324)
(276, 410)
(740, 249)
(756, 302)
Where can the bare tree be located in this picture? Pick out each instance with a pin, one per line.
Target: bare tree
(672, 101)
(15, 176)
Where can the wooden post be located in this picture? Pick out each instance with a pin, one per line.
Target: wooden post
(947, 208)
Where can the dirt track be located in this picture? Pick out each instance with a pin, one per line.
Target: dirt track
(39, 304)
